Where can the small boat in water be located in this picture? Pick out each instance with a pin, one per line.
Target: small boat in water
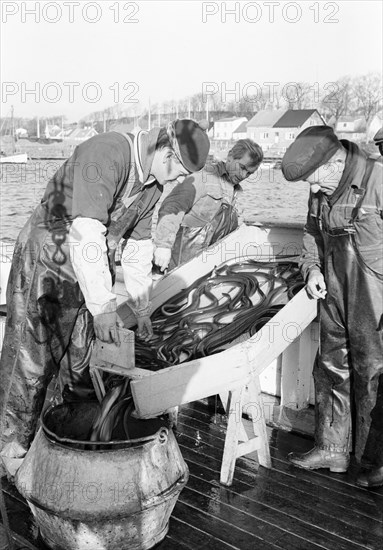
(20, 158)
(8, 130)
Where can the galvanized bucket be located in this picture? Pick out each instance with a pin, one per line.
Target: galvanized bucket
(117, 497)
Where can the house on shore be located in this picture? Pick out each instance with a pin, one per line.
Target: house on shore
(241, 131)
(81, 134)
(225, 127)
(353, 128)
(275, 130)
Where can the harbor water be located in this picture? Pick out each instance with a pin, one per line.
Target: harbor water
(266, 197)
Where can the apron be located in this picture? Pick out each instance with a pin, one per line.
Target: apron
(349, 363)
(49, 331)
(190, 241)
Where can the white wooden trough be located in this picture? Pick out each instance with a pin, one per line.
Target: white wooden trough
(233, 373)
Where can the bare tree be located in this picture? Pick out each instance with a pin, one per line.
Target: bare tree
(297, 95)
(337, 98)
(368, 94)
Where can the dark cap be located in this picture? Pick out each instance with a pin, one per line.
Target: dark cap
(193, 144)
(312, 148)
(378, 137)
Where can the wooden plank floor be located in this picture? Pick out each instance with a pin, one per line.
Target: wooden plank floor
(282, 508)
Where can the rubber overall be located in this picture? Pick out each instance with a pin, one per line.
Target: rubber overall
(48, 328)
(190, 241)
(350, 359)
(49, 331)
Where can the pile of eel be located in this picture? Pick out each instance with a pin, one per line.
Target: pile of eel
(235, 298)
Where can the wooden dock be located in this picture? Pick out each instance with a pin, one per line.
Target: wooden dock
(281, 508)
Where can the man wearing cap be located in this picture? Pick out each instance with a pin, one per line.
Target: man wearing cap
(60, 292)
(378, 140)
(203, 209)
(342, 263)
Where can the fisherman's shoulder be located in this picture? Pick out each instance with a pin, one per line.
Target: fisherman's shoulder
(107, 139)
(108, 147)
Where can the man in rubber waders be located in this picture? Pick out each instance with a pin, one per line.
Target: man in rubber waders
(60, 288)
(342, 264)
(203, 210)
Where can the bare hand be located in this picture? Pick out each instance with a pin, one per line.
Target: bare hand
(162, 257)
(106, 325)
(316, 286)
(144, 328)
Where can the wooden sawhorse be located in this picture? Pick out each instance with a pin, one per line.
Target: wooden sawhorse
(237, 441)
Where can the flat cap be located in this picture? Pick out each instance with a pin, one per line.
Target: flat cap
(311, 148)
(192, 142)
(378, 137)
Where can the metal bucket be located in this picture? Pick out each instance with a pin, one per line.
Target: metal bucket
(117, 497)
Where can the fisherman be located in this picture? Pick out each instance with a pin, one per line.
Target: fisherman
(60, 293)
(342, 264)
(378, 140)
(203, 209)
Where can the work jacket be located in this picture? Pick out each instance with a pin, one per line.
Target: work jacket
(195, 202)
(100, 196)
(355, 207)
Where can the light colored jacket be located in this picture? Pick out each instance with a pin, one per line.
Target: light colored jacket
(195, 202)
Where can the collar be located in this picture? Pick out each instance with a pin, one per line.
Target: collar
(144, 148)
(220, 168)
(355, 163)
(140, 157)
(354, 169)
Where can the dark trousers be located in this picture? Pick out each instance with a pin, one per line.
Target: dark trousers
(350, 357)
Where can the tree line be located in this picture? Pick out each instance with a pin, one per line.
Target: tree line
(355, 96)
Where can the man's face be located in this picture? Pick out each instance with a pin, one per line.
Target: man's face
(326, 178)
(240, 169)
(166, 168)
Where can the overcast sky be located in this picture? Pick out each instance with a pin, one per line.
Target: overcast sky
(69, 50)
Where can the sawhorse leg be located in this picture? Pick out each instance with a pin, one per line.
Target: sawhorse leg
(237, 442)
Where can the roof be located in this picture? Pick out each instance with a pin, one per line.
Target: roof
(241, 128)
(266, 118)
(230, 119)
(294, 118)
(82, 133)
(350, 118)
(358, 124)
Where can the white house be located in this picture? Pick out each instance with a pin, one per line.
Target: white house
(81, 134)
(274, 131)
(224, 128)
(241, 131)
(21, 133)
(351, 127)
